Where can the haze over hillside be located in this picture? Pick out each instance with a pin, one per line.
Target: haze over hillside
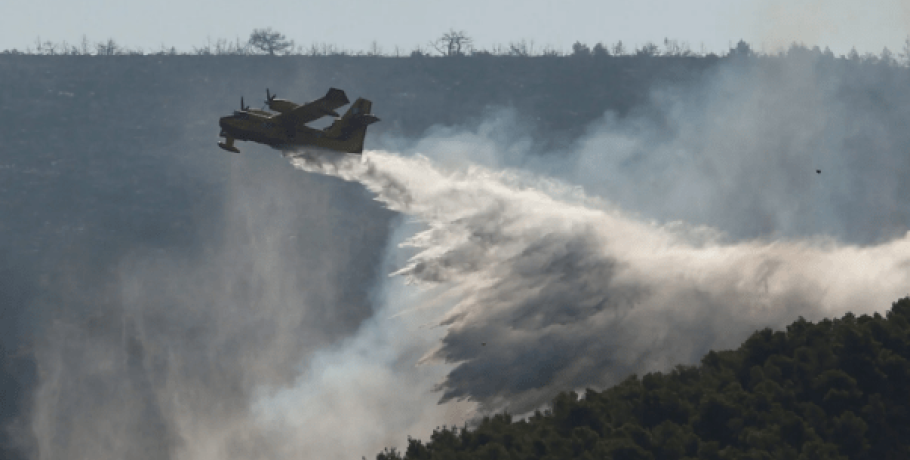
(164, 299)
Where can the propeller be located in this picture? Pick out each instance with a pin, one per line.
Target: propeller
(242, 107)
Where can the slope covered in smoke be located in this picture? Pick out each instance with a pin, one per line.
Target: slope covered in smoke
(176, 344)
(184, 304)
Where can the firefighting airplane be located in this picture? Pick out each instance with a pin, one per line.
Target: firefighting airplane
(286, 130)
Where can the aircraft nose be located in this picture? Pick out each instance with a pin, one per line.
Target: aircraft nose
(225, 124)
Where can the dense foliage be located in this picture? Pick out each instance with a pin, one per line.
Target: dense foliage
(837, 389)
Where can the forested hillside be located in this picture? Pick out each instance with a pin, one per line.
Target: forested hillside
(835, 389)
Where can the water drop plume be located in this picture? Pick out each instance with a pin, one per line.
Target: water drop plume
(552, 290)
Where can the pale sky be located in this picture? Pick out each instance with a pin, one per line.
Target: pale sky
(354, 24)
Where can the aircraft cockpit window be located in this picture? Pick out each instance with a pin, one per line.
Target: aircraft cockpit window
(240, 115)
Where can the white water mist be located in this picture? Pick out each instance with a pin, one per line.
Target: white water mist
(558, 291)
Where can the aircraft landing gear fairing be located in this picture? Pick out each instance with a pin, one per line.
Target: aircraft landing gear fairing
(229, 145)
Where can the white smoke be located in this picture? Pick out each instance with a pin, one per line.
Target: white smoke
(181, 344)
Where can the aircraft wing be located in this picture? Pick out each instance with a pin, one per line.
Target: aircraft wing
(315, 110)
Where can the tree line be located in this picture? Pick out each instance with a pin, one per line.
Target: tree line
(450, 44)
(835, 390)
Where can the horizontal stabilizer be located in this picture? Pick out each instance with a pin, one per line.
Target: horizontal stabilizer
(364, 119)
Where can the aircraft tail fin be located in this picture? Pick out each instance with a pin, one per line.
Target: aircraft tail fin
(351, 128)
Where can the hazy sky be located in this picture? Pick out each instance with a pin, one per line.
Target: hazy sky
(354, 24)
